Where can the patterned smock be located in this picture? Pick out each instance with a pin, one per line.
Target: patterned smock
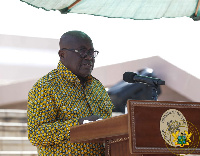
(55, 103)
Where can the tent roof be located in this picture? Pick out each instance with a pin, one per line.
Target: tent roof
(131, 9)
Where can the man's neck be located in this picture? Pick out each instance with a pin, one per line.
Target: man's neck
(82, 80)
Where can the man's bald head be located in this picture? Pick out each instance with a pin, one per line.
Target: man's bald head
(69, 37)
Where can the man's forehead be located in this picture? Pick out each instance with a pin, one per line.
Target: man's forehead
(72, 40)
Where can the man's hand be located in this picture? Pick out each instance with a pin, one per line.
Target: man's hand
(90, 118)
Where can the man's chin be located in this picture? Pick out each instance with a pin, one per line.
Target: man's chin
(84, 75)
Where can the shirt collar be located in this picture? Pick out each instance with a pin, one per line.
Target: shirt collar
(67, 74)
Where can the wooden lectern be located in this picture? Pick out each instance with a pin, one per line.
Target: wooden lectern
(138, 132)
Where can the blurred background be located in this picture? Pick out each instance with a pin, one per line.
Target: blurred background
(29, 49)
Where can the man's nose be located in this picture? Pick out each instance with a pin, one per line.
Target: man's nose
(89, 57)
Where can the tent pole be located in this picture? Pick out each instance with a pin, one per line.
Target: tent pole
(73, 4)
(197, 8)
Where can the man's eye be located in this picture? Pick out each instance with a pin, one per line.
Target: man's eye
(83, 50)
(91, 51)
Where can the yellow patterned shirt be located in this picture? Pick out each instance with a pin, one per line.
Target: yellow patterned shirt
(55, 103)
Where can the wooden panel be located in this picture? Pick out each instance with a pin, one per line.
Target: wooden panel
(99, 131)
(120, 147)
(144, 126)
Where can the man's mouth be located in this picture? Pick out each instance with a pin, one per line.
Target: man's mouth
(87, 65)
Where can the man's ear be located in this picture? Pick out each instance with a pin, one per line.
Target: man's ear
(61, 54)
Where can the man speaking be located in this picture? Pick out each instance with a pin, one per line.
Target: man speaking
(65, 97)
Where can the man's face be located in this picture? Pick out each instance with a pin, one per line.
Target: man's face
(81, 67)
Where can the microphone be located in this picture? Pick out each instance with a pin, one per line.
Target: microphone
(131, 77)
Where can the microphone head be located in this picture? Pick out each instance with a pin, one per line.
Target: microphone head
(128, 77)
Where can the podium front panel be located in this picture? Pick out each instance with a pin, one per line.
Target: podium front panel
(164, 127)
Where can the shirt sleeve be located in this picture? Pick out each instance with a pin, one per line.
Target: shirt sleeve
(107, 105)
(43, 128)
(104, 102)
